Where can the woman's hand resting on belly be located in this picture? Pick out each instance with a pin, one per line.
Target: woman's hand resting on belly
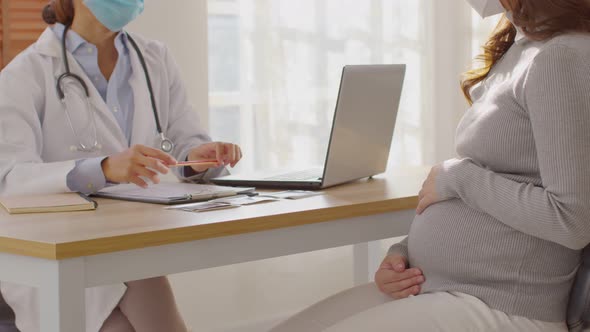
(429, 194)
(395, 280)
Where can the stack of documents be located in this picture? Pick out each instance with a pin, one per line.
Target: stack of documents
(293, 194)
(243, 200)
(224, 203)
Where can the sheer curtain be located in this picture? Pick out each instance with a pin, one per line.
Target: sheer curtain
(275, 66)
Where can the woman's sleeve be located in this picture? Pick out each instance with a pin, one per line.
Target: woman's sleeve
(557, 97)
(184, 127)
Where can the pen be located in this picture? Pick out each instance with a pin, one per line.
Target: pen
(195, 163)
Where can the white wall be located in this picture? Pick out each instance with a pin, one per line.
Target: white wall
(182, 26)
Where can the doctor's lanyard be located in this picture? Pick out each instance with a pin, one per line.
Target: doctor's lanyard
(166, 144)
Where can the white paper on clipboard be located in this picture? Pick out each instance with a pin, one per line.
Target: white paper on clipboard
(170, 192)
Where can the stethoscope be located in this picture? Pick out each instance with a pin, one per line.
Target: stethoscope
(166, 145)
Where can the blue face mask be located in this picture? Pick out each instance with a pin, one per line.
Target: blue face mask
(115, 14)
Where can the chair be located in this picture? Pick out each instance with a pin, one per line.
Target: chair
(578, 313)
(6, 317)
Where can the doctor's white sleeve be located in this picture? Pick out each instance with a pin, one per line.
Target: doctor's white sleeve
(22, 169)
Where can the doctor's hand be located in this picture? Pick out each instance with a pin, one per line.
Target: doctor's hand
(224, 153)
(397, 281)
(135, 162)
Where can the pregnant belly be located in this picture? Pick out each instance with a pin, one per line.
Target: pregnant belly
(452, 242)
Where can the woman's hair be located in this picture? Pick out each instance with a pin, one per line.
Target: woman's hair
(539, 20)
(59, 11)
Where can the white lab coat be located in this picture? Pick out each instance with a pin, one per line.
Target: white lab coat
(36, 140)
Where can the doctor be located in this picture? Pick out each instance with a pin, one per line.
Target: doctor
(89, 105)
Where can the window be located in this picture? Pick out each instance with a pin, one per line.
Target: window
(275, 66)
(20, 26)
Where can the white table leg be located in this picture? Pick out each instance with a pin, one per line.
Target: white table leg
(62, 297)
(366, 260)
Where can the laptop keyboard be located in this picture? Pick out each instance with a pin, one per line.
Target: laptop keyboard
(308, 174)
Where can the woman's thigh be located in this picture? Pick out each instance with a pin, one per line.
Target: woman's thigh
(334, 309)
(443, 311)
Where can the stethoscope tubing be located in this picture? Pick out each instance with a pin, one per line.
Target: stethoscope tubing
(166, 145)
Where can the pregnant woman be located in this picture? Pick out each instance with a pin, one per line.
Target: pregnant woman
(497, 239)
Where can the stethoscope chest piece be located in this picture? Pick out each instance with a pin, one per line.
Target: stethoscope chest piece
(166, 145)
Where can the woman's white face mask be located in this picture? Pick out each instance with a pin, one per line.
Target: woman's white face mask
(487, 8)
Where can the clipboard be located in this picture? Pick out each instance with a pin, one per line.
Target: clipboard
(169, 193)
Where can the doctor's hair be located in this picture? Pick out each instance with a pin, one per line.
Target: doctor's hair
(59, 11)
(540, 20)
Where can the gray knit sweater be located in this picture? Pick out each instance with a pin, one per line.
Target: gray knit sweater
(517, 201)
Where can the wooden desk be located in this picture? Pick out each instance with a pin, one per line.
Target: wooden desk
(66, 252)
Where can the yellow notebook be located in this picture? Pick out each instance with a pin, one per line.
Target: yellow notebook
(47, 203)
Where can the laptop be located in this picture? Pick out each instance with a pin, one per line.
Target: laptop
(360, 140)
